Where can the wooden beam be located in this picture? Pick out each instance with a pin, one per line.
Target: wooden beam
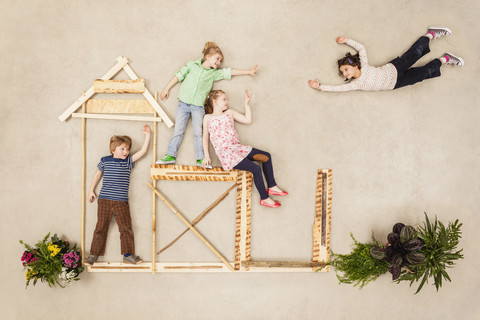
(184, 220)
(150, 98)
(84, 165)
(121, 62)
(119, 86)
(191, 173)
(118, 106)
(114, 117)
(323, 215)
(282, 264)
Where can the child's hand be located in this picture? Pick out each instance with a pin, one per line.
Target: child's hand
(341, 40)
(315, 84)
(164, 94)
(91, 196)
(206, 161)
(253, 71)
(247, 97)
(146, 129)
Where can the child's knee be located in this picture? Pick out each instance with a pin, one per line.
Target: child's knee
(262, 157)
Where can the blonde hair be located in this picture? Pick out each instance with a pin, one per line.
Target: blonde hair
(212, 96)
(211, 48)
(116, 141)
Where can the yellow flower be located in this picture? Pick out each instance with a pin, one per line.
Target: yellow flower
(54, 249)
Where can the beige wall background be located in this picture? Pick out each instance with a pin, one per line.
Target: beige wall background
(394, 154)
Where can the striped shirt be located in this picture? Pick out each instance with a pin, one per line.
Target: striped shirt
(116, 177)
(371, 79)
(198, 81)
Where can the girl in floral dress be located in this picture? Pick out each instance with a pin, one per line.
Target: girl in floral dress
(218, 124)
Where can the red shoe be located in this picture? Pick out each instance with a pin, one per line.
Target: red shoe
(276, 193)
(266, 204)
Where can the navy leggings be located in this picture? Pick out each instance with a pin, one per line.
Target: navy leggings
(247, 164)
(407, 76)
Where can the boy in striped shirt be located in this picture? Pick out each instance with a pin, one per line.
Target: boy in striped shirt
(113, 197)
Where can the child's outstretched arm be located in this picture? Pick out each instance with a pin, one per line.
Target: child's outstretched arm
(206, 158)
(251, 72)
(362, 51)
(165, 92)
(146, 142)
(247, 117)
(96, 178)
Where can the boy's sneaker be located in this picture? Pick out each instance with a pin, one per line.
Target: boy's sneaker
(439, 31)
(453, 59)
(132, 259)
(90, 260)
(199, 163)
(167, 160)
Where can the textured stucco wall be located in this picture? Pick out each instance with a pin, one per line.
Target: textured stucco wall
(394, 154)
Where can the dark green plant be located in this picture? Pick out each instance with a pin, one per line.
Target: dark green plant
(440, 251)
(403, 249)
(358, 267)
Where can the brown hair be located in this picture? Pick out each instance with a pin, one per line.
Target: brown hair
(212, 96)
(211, 48)
(349, 59)
(116, 141)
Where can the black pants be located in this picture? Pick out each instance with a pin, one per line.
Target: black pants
(247, 164)
(408, 76)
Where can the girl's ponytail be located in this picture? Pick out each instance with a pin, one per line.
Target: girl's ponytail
(212, 96)
(211, 48)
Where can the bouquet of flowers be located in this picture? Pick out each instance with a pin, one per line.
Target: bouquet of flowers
(51, 261)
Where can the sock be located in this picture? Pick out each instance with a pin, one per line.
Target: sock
(126, 255)
(430, 35)
(445, 59)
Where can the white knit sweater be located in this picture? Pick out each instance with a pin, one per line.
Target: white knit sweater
(371, 79)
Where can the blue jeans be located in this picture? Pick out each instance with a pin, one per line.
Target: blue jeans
(184, 111)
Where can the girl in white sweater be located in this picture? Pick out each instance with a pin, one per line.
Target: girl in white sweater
(393, 75)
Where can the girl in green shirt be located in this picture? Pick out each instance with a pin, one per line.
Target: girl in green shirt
(197, 77)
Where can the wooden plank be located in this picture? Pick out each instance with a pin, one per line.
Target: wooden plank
(119, 86)
(114, 117)
(84, 165)
(191, 173)
(248, 239)
(119, 106)
(150, 98)
(121, 62)
(202, 267)
(184, 220)
(238, 223)
(282, 264)
(321, 227)
(154, 199)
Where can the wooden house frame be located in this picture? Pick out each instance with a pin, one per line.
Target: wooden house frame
(151, 111)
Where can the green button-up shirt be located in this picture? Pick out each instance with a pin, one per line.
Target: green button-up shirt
(198, 81)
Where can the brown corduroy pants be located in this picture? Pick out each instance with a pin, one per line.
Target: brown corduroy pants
(121, 211)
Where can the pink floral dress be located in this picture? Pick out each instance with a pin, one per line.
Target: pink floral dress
(225, 141)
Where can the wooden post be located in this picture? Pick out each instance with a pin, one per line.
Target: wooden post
(238, 222)
(184, 220)
(154, 183)
(83, 185)
(323, 215)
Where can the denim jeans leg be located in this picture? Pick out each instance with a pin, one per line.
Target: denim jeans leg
(181, 120)
(197, 123)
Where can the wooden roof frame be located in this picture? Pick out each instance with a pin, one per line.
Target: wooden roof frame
(122, 64)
